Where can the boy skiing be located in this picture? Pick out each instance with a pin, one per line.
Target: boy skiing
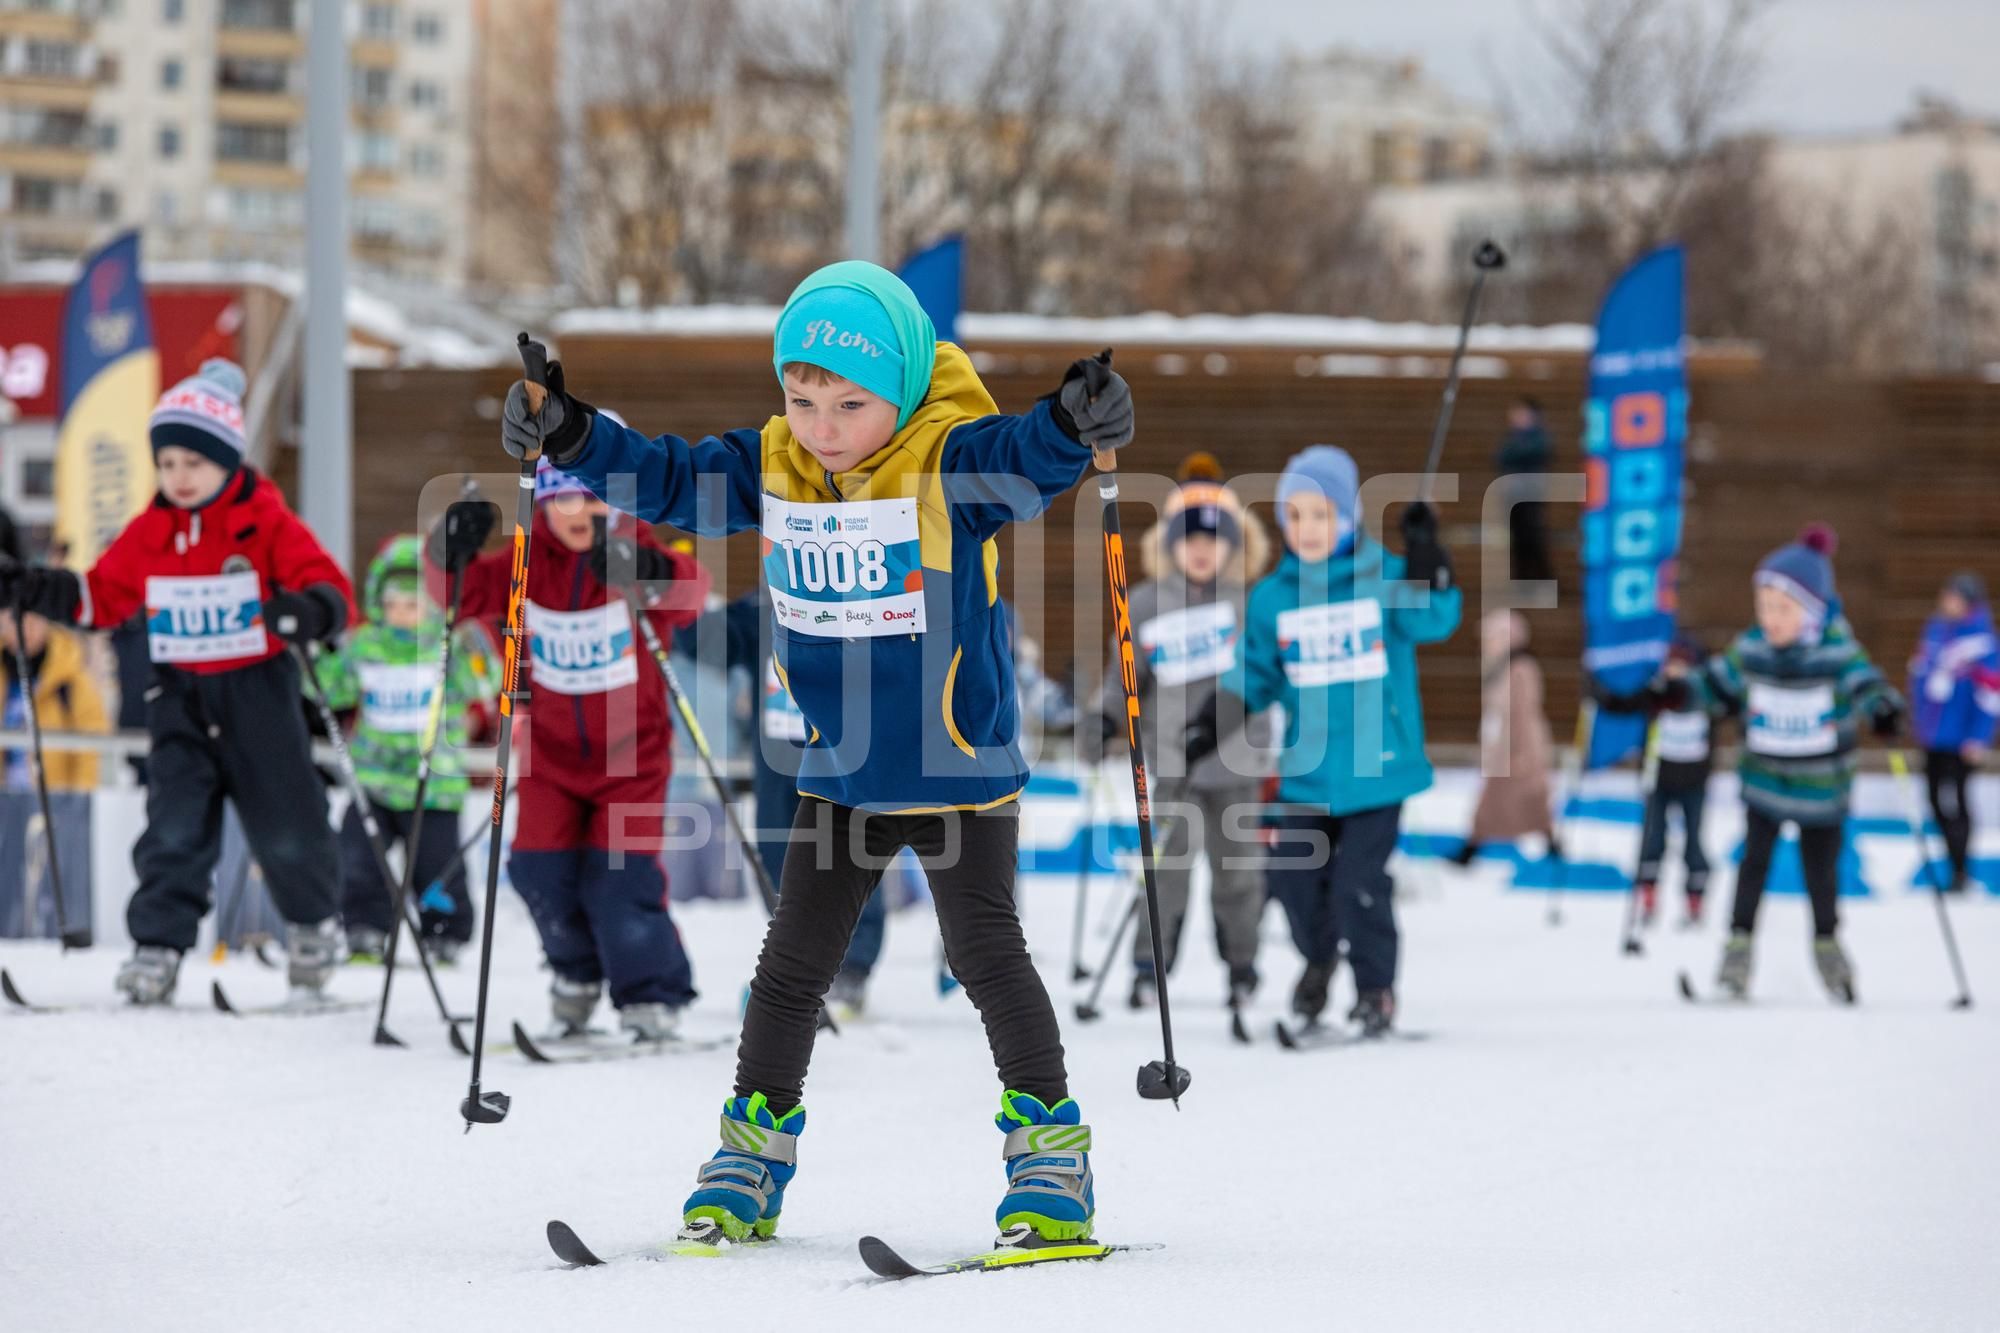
(597, 752)
(1801, 684)
(1332, 635)
(228, 576)
(878, 494)
(384, 672)
(1187, 623)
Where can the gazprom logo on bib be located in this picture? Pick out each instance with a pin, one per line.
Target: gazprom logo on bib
(797, 524)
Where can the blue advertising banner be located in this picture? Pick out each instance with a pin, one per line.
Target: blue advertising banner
(937, 276)
(1634, 438)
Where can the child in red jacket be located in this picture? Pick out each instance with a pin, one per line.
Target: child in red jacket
(595, 747)
(228, 575)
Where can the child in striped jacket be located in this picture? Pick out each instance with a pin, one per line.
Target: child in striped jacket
(1802, 685)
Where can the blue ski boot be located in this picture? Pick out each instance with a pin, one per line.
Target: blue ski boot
(739, 1191)
(1049, 1190)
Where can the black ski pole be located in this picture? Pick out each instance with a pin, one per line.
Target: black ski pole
(1083, 870)
(1087, 1011)
(344, 761)
(490, 1108)
(685, 707)
(1486, 259)
(79, 938)
(1901, 768)
(400, 889)
(1162, 1079)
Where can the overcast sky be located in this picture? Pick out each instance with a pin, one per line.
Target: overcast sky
(1832, 65)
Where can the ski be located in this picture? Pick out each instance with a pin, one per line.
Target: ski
(1317, 1036)
(1017, 1247)
(699, 1241)
(1694, 995)
(593, 1050)
(17, 1001)
(286, 1008)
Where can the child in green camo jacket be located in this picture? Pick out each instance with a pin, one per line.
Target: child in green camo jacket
(387, 671)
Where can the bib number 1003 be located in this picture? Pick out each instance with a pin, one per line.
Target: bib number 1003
(836, 566)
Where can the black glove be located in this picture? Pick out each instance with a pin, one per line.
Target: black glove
(311, 615)
(1093, 405)
(1659, 694)
(620, 552)
(461, 534)
(558, 430)
(1203, 736)
(1424, 561)
(54, 593)
(1887, 718)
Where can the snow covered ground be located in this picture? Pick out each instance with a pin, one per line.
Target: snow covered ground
(1573, 1148)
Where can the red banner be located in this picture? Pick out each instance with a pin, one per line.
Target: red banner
(190, 324)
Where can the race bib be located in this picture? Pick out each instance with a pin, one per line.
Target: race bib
(395, 699)
(844, 571)
(582, 652)
(1790, 722)
(1195, 643)
(782, 719)
(1683, 737)
(212, 618)
(1338, 643)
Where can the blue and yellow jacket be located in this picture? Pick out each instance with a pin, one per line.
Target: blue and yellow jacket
(902, 722)
(1336, 643)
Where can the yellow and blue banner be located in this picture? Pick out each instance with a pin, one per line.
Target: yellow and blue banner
(110, 381)
(1635, 432)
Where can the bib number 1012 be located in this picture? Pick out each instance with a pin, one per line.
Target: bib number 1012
(836, 566)
(195, 621)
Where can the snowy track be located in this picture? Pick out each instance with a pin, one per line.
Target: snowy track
(1575, 1148)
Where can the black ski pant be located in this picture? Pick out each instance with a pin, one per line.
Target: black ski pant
(1819, 855)
(240, 734)
(836, 858)
(1690, 801)
(1948, 775)
(1331, 875)
(366, 902)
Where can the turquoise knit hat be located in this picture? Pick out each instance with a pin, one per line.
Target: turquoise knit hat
(863, 323)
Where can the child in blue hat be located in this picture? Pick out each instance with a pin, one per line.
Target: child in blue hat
(1801, 684)
(878, 494)
(1332, 635)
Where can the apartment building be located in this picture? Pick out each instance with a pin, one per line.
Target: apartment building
(187, 118)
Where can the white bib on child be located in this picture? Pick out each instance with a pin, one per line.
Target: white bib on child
(207, 618)
(1683, 737)
(1335, 643)
(1193, 643)
(1788, 722)
(851, 570)
(396, 698)
(582, 652)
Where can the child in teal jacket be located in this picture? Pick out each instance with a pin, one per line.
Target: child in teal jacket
(1332, 634)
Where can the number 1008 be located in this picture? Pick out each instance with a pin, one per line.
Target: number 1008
(836, 566)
